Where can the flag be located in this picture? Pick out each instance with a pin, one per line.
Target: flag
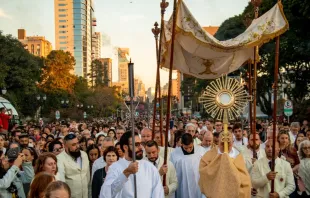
(199, 54)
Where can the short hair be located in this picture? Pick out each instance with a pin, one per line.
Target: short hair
(125, 139)
(108, 150)
(190, 124)
(187, 139)
(151, 143)
(56, 185)
(105, 126)
(236, 126)
(216, 134)
(24, 136)
(301, 153)
(41, 161)
(295, 124)
(39, 183)
(52, 144)
(108, 139)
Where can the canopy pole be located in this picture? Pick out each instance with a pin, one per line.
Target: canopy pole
(256, 4)
(156, 32)
(274, 122)
(170, 80)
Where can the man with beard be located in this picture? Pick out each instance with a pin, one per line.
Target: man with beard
(119, 182)
(186, 162)
(23, 140)
(73, 167)
(152, 154)
(282, 175)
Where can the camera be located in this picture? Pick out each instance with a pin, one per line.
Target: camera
(12, 154)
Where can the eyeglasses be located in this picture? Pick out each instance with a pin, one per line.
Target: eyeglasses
(306, 148)
(137, 144)
(57, 150)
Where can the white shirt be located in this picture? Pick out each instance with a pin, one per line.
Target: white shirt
(292, 137)
(117, 185)
(206, 148)
(233, 153)
(99, 163)
(101, 133)
(238, 143)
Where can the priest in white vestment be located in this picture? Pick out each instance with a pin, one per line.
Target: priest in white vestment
(152, 155)
(119, 182)
(186, 162)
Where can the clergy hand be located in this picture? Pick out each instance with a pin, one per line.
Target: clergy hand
(271, 175)
(163, 170)
(131, 169)
(274, 195)
(166, 190)
(253, 192)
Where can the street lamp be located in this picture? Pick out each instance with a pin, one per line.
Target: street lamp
(79, 105)
(3, 91)
(65, 103)
(41, 100)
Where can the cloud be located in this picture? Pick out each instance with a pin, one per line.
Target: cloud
(126, 18)
(4, 15)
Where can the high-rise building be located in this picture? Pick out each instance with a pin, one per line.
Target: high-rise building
(96, 45)
(73, 31)
(151, 93)
(107, 62)
(36, 45)
(123, 53)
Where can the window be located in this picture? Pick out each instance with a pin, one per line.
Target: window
(62, 37)
(62, 21)
(62, 26)
(63, 48)
(62, 4)
(65, 42)
(32, 49)
(62, 10)
(62, 32)
(62, 15)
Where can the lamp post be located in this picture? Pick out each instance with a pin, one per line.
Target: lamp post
(65, 103)
(41, 100)
(3, 91)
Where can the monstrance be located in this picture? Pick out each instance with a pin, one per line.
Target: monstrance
(224, 99)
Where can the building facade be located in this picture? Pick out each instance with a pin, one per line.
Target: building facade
(36, 45)
(96, 45)
(73, 31)
(107, 62)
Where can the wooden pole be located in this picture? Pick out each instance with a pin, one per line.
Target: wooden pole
(256, 4)
(274, 122)
(170, 80)
(156, 32)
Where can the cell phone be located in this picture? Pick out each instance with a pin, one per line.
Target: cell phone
(171, 124)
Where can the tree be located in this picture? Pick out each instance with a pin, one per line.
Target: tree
(20, 71)
(106, 79)
(56, 75)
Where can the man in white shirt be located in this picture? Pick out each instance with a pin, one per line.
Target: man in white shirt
(282, 175)
(119, 132)
(270, 135)
(294, 129)
(186, 162)
(207, 141)
(104, 131)
(191, 129)
(152, 155)
(218, 127)
(239, 140)
(119, 182)
(73, 167)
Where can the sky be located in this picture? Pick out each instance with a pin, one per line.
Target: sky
(123, 23)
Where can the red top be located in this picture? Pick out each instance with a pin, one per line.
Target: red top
(5, 120)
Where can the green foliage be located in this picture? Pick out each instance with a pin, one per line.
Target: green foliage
(57, 74)
(20, 72)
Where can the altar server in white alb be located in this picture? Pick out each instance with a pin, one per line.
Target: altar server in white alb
(186, 162)
(119, 182)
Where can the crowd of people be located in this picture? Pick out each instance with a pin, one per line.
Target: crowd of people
(95, 159)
